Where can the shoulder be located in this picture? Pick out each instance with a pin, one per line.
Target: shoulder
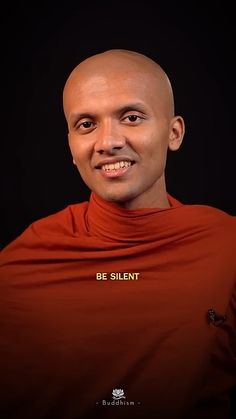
(200, 214)
(208, 217)
(205, 224)
(68, 222)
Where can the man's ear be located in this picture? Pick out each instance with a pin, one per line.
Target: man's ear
(68, 136)
(177, 130)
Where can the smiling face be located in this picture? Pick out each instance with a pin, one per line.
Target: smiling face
(119, 109)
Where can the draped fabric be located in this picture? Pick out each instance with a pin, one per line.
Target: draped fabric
(97, 298)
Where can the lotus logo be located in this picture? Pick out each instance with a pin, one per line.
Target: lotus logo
(118, 394)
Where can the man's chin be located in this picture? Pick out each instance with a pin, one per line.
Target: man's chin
(117, 198)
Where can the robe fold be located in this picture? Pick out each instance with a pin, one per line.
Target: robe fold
(114, 313)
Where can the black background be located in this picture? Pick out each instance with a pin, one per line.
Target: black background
(40, 44)
(194, 43)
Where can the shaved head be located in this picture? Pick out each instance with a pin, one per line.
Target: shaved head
(123, 64)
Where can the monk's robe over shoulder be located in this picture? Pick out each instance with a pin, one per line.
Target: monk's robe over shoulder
(115, 313)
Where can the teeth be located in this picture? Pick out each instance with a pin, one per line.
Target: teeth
(115, 166)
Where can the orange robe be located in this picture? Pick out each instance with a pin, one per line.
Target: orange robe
(104, 314)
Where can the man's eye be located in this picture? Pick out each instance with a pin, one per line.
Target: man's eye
(132, 118)
(85, 124)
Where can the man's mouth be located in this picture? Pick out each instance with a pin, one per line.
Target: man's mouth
(115, 169)
(116, 166)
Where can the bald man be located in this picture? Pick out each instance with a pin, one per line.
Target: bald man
(123, 306)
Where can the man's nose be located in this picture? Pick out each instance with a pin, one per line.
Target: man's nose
(109, 139)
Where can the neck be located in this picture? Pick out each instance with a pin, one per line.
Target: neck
(154, 197)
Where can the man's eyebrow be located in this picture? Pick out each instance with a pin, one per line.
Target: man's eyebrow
(137, 106)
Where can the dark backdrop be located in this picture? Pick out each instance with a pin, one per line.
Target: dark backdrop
(41, 44)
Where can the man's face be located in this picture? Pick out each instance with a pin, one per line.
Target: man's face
(119, 134)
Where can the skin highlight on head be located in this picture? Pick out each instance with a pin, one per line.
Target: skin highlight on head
(123, 61)
(119, 107)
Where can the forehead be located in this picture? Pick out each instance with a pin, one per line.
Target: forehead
(110, 89)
